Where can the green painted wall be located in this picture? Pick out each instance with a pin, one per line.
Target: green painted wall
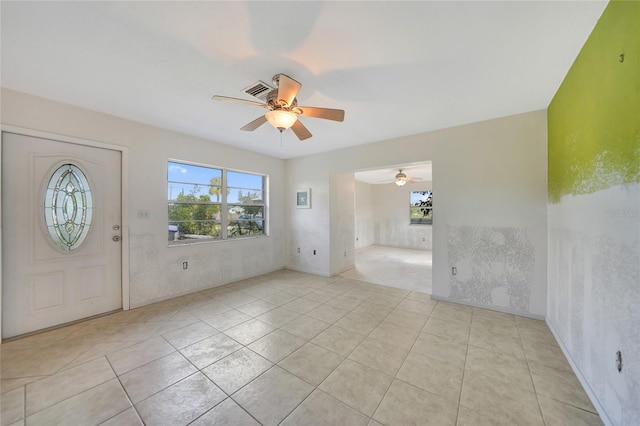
(594, 117)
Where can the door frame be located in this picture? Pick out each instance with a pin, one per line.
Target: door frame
(124, 156)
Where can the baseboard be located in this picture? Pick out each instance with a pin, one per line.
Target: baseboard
(583, 381)
(491, 308)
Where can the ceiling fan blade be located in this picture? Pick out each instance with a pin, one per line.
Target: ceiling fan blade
(255, 124)
(301, 132)
(238, 100)
(326, 113)
(287, 89)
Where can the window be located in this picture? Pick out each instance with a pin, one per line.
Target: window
(421, 207)
(68, 207)
(207, 203)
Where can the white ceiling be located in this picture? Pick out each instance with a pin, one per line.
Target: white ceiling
(397, 68)
(415, 172)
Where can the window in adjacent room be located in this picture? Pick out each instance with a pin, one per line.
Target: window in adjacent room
(421, 209)
(209, 203)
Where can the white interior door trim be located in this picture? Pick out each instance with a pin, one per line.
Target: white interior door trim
(125, 191)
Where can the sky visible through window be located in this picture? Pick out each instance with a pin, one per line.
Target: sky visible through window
(196, 180)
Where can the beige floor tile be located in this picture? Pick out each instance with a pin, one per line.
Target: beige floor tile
(358, 322)
(497, 343)
(508, 370)
(397, 335)
(311, 363)
(210, 350)
(550, 356)
(93, 406)
(321, 296)
(277, 345)
(305, 327)
(226, 413)
(302, 305)
(418, 296)
(209, 308)
(407, 405)
(452, 312)
(443, 348)
(376, 312)
(249, 331)
(182, 402)
(357, 385)
(165, 327)
(280, 298)
(345, 302)
(384, 300)
(226, 320)
(12, 407)
(494, 328)
(43, 361)
(555, 413)
(416, 306)
(139, 354)
(524, 322)
(256, 308)
(190, 334)
(540, 335)
(455, 330)
(7, 385)
(494, 399)
(235, 299)
(560, 385)
(407, 319)
(58, 387)
(151, 378)
(272, 396)
(327, 313)
(468, 417)
(384, 357)
(320, 409)
(236, 370)
(126, 418)
(279, 317)
(435, 376)
(338, 340)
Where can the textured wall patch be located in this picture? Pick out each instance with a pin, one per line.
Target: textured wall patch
(494, 265)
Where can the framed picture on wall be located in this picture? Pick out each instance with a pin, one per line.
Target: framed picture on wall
(303, 198)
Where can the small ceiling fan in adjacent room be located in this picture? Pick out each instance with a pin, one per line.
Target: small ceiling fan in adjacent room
(401, 179)
(283, 106)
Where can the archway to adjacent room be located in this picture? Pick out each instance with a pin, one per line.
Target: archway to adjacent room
(393, 227)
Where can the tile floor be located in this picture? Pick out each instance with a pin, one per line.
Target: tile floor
(294, 349)
(392, 266)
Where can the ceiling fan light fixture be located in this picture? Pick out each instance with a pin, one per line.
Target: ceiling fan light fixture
(401, 178)
(280, 119)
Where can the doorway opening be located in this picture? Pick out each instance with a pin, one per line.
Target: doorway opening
(392, 247)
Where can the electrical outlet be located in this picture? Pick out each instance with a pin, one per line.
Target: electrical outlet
(185, 265)
(298, 250)
(619, 361)
(454, 270)
(143, 214)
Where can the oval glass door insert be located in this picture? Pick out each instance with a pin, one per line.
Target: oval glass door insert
(68, 207)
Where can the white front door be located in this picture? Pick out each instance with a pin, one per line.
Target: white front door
(61, 220)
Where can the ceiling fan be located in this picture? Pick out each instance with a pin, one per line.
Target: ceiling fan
(401, 178)
(284, 110)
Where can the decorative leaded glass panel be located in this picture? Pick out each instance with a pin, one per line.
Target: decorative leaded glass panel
(68, 207)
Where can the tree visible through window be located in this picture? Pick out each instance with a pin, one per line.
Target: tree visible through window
(421, 207)
(207, 203)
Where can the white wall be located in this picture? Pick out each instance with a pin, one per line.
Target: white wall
(594, 292)
(155, 269)
(391, 217)
(365, 226)
(342, 223)
(491, 193)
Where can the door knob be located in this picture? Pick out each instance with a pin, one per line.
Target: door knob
(116, 238)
